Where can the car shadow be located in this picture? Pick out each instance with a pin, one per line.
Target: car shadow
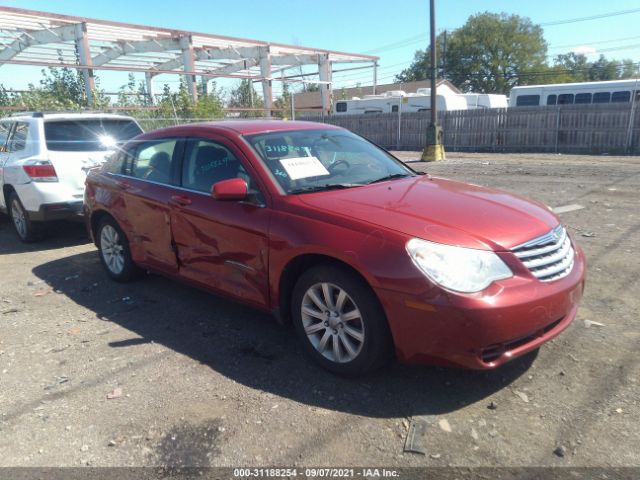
(60, 234)
(250, 348)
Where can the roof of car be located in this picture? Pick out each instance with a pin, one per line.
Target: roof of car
(242, 127)
(64, 116)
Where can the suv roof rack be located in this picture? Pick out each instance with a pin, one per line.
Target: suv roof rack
(41, 114)
(27, 114)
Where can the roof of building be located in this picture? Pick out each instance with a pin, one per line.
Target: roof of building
(31, 37)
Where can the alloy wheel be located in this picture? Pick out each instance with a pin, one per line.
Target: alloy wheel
(19, 218)
(112, 249)
(332, 322)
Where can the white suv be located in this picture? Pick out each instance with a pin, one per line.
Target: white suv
(44, 159)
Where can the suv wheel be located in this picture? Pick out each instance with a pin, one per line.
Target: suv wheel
(340, 321)
(27, 230)
(114, 251)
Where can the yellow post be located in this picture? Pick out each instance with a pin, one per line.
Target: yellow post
(434, 150)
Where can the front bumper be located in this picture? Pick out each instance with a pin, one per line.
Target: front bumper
(484, 330)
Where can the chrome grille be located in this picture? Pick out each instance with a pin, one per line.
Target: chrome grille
(549, 257)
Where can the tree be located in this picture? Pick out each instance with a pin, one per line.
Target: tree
(284, 102)
(245, 96)
(490, 53)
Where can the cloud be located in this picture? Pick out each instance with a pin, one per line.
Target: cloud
(585, 50)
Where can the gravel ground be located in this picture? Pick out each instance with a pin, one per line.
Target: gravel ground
(202, 381)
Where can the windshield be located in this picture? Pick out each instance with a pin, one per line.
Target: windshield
(88, 135)
(311, 160)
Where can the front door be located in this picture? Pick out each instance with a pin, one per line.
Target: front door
(220, 244)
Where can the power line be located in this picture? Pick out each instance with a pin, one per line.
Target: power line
(597, 42)
(592, 17)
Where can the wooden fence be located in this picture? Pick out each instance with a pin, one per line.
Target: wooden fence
(587, 129)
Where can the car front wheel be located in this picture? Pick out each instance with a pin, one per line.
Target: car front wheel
(114, 251)
(340, 321)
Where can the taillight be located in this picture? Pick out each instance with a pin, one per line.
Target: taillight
(42, 172)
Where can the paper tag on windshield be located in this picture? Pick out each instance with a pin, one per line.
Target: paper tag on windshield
(303, 167)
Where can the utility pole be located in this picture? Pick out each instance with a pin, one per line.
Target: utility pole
(444, 56)
(434, 150)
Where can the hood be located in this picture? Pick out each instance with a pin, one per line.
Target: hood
(442, 211)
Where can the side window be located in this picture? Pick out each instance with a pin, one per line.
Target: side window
(5, 129)
(19, 138)
(621, 97)
(527, 100)
(208, 162)
(341, 107)
(116, 162)
(551, 99)
(565, 99)
(583, 98)
(394, 108)
(152, 161)
(602, 97)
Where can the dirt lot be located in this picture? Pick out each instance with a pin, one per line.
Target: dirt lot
(208, 382)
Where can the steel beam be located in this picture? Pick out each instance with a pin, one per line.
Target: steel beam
(189, 63)
(84, 52)
(66, 33)
(265, 73)
(229, 53)
(294, 60)
(148, 78)
(236, 66)
(326, 88)
(143, 46)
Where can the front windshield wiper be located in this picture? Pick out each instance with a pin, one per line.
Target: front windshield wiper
(328, 186)
(390, 177)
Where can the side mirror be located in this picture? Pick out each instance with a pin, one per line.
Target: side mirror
(231, 189)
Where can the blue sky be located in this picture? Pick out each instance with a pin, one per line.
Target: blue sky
(389, 29)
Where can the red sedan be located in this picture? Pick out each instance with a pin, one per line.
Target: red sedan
(364, 255)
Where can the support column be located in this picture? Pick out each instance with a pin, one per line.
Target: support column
(265, 73)
(326, 89)
(205, 85)
(375, 77)
(84, 52)
(148, 78)
(189, 62)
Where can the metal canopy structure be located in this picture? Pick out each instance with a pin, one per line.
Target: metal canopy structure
(29, 37)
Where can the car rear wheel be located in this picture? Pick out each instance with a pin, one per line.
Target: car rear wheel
(114, 251)
(26, 229)
(340, 321)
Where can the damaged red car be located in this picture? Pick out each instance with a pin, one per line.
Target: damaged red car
(365, 256)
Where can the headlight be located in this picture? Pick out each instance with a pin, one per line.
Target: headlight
(457, 268)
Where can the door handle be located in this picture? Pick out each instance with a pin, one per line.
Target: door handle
(180, 200)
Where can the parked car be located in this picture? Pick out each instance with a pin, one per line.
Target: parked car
(44, 159)
(364, 255)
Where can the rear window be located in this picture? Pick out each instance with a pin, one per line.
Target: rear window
(88, 135)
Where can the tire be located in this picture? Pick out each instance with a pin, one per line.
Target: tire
(353, 339)
(113, 248)
(27, 230)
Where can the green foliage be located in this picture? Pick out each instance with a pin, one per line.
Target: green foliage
(245, 96)
(491, 53)
(284, 102)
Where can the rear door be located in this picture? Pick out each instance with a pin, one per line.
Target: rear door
(221, 244)
(147, 185)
